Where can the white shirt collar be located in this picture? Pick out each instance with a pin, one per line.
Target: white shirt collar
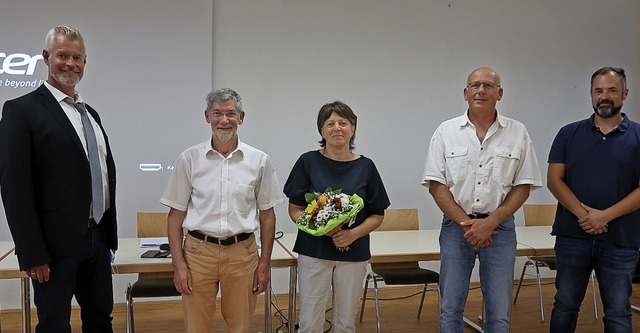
(209, 149)
(464, 119)
(59, 95)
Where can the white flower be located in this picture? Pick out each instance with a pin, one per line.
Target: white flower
(324, 215)
(344, 200)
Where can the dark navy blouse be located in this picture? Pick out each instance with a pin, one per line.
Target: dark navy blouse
(314, 172)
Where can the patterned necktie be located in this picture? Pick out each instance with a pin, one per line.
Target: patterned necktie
(97, 202)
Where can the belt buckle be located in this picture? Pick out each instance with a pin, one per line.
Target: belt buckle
(228, 241)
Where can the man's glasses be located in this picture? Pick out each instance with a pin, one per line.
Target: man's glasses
(487, 85)
(229, 115)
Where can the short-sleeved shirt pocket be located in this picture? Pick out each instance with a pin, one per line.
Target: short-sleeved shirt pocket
(505, 164)
(457, 163)
(243, 198)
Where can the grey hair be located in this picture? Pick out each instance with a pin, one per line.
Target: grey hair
(71, 33)
(223, 95)
(619, 72)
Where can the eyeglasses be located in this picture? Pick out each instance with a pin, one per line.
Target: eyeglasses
(487, 85)
(229, 115)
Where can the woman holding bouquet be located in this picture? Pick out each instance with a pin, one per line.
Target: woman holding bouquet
(338, 259)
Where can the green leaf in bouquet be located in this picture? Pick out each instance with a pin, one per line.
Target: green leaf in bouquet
(308, 197)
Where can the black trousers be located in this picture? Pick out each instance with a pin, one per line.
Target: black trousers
(85, 275)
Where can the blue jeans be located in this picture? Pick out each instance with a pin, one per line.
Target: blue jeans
(614, 266)
(496, 276)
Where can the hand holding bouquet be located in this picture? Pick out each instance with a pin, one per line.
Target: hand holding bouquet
(327, 210)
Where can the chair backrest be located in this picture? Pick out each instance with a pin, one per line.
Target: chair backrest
(400, 219)
(396, 220)
(152, 224)
(539, 215)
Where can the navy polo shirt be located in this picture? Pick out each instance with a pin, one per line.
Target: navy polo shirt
(600, 170)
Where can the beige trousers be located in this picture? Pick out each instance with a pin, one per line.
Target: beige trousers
(317, 280)
(229, 268)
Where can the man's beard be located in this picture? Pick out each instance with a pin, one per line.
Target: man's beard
(66, 81)
(607, 111)
(224, 137)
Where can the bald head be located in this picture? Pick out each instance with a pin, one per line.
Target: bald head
(483, 90)
(484, 72)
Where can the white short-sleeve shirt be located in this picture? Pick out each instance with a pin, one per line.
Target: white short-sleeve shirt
(480, 175)
(222, 195)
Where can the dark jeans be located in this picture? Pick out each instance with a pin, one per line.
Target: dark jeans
(85, 274)
(614, 267)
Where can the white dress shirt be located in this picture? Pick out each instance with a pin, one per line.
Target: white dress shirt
(76, 121)
(480, 175)
(222, 195)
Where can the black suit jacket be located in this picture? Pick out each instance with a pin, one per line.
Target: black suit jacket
(45, 179)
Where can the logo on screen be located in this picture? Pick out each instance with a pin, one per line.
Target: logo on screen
(19, 67)
(19, 63)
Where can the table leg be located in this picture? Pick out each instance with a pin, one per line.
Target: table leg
(26, 305)
(293, 285)
(267, 308)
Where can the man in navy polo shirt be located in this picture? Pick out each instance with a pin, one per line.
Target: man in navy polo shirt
(594, 172)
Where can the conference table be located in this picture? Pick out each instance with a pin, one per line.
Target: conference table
(128, 260)
(423, 245)
(535, 241)
(9, 270)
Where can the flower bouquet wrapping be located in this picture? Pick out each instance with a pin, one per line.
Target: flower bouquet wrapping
(327, 210)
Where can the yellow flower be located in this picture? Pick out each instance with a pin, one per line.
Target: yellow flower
(312, 205)
(322, 199)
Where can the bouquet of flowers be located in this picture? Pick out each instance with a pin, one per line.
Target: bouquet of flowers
(327, 210)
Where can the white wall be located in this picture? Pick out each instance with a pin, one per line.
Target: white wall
(401, 65)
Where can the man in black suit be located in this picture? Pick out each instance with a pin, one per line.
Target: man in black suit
(62, 221)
